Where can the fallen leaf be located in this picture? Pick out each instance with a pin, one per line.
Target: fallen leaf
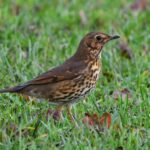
(106, 118)
(126, 50)
(97, 122)
(88, 119)
(139, 5)
(83, 18)
(116, 94)
(124, 93)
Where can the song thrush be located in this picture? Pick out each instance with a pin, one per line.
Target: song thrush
(72, 80)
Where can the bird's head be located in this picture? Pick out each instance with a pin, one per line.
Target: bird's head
(92, 44)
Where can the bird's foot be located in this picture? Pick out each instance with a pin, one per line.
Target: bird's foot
(55, 114)
(70, 116)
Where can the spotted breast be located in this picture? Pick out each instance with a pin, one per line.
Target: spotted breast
(91, 77)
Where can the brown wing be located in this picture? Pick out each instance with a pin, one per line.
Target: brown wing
(66, 71)
(52, 77)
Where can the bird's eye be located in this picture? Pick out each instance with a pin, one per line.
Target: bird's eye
(99, 38)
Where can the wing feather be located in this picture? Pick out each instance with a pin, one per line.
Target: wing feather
(66, 71)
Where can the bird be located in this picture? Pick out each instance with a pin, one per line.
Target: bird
(71, 81)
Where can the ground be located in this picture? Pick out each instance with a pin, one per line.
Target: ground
(37, 35)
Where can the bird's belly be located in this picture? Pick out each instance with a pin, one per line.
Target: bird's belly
(71, 97)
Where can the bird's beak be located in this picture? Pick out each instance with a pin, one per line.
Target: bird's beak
(114, 37)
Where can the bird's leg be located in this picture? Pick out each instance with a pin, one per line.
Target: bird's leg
(58, 112)
(55, 114)
(70, 115)
(25, 97)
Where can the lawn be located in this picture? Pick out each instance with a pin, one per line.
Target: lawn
(38, 35)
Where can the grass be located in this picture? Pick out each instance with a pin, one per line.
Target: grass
(37, 35)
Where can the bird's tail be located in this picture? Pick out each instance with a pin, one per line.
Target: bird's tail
(15, 89)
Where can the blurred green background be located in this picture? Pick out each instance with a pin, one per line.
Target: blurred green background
(37, 35)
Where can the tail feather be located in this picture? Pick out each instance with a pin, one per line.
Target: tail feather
(5, 90)
(12, 90)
